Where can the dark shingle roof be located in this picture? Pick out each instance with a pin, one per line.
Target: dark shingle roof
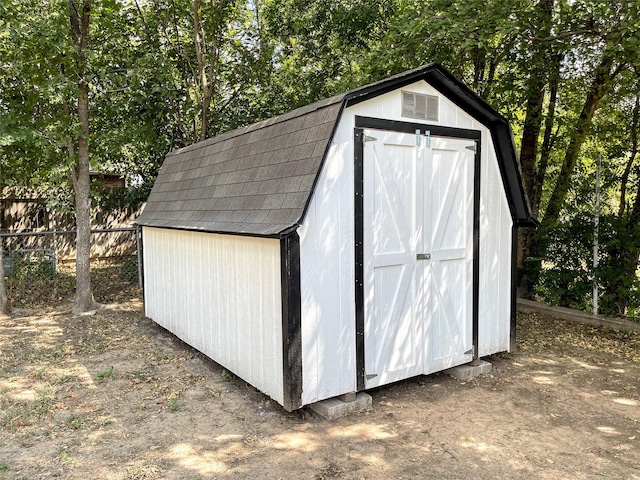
(257, 180)
(254, 180)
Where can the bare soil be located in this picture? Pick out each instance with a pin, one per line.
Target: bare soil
(113, 396)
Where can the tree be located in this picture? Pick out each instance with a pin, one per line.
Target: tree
(321, 46)
(45, 109)
(211, 62)
(621, 240)
(78, 150)
(604, 39)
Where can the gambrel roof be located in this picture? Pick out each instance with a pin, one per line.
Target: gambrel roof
(258, 180)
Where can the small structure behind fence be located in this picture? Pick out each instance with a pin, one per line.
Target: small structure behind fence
(39, 267)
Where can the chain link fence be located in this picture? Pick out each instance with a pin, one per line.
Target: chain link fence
(39, 267)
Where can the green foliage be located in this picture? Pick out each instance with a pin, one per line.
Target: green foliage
(567, 278)
(616, 273)
(568, 275)
(34, 48)
(30, 271)
(320, 45)
(106, 373)
(74, 422)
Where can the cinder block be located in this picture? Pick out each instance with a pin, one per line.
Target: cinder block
(333, 408)
(467, 371)
(348, 397)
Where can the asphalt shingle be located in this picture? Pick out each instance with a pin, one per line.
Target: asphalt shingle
(253, 180)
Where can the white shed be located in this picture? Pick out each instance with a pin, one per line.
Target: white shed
(354, 242)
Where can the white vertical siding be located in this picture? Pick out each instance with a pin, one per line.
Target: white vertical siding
(389, 107)
(327, 279)
(495, 256)
(327, 252)
(221, 294)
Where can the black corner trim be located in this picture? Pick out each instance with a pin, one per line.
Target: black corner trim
(291, 321)
(358, 146)
(513, 346)
(140, 253)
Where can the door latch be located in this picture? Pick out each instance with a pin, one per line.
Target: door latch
(423, 256)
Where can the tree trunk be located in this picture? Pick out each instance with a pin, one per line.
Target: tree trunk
(4, 299)
(548, 137)
(632, 157)
(79, 16)
(603, 75)
(534, 190)
(535, 91)
(207, 79)
(535, 98)
(537, 248)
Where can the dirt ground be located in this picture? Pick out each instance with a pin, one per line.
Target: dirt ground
(113, 396)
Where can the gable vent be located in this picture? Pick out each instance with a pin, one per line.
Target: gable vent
(418, 105)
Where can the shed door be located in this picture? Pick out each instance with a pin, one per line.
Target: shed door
(418, 252)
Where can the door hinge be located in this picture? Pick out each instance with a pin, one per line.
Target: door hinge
(427, 138)
(473, 148)
(417, 137)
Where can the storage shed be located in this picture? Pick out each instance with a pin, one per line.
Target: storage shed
(354, 242)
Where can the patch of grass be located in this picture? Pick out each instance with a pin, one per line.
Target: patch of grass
(74, 422)
(213, 393)
(95, 345)
(65, 458)
(106, 373)
(43, 405)
(15, 418)
(226, 376)
(53, 375)
(4, 465)
(173, 404)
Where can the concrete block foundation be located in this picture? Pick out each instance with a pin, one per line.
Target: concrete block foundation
(468, 371)
(334, 408)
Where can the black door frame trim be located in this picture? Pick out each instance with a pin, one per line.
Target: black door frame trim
(411, 127)
(362, 123)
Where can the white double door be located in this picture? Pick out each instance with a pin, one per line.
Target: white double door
(418, 254)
